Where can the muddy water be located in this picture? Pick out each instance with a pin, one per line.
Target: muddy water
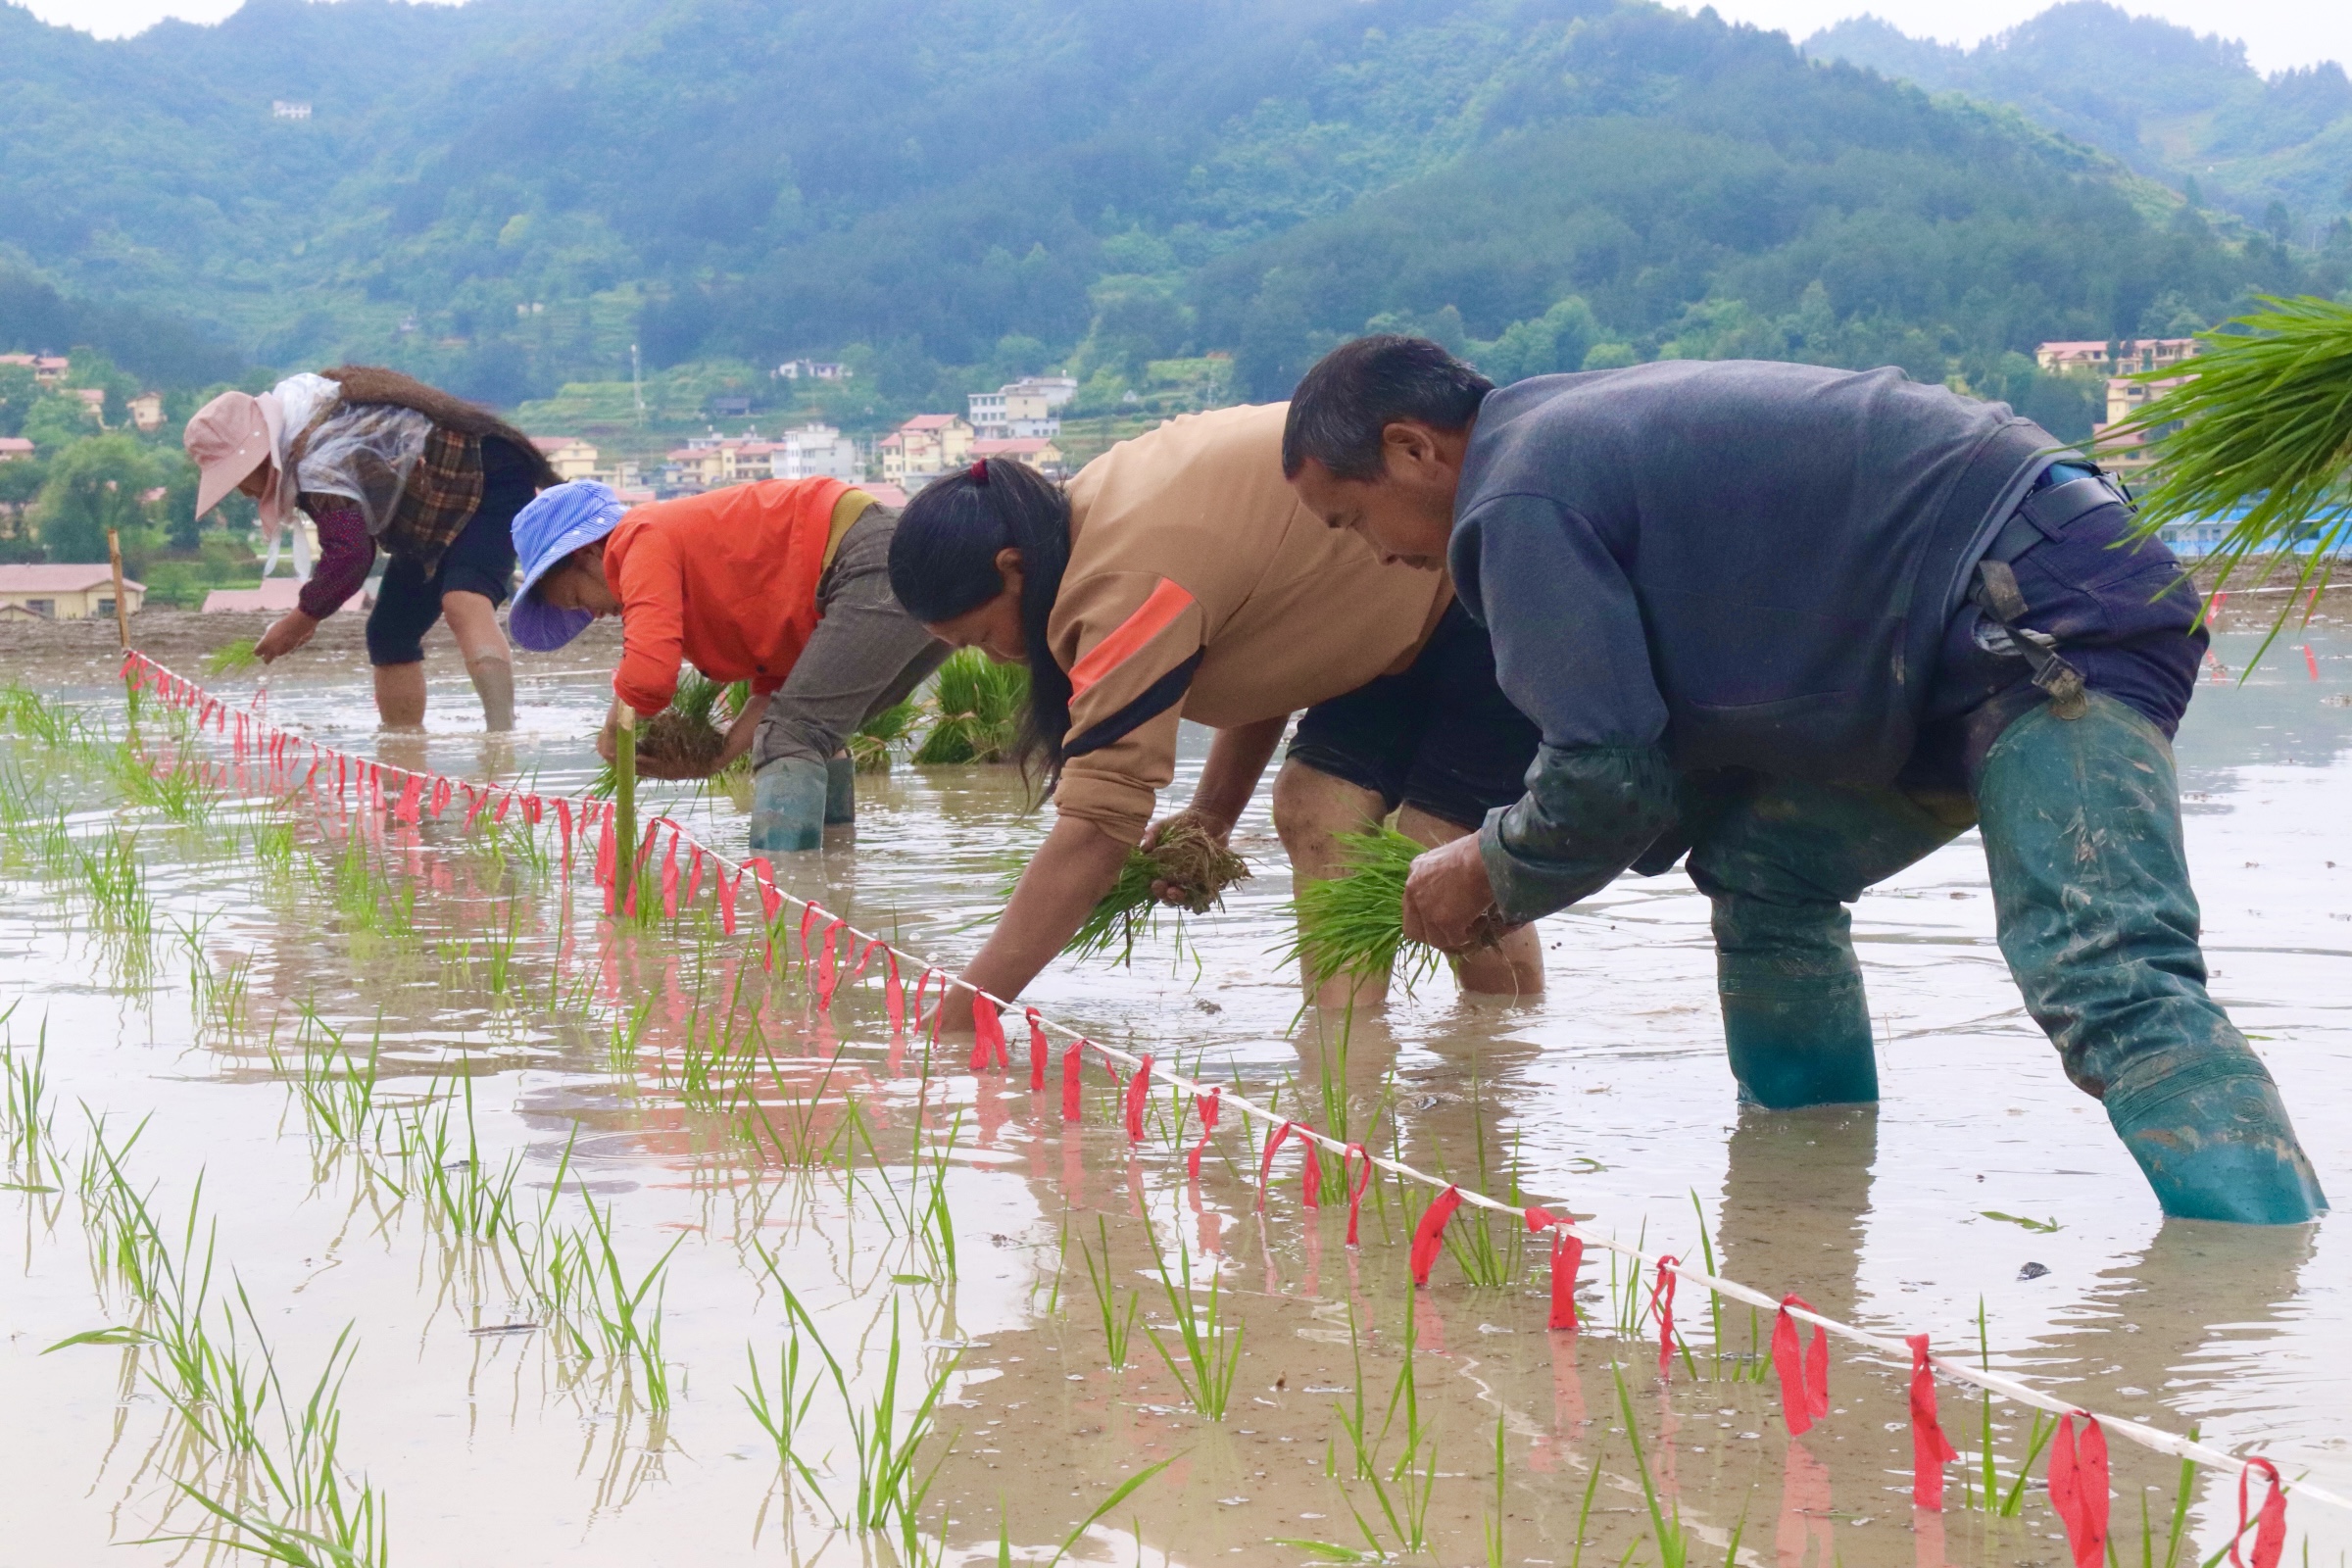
(591, 1058)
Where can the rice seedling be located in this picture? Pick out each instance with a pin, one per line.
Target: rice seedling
(1118, 1494)
(273, 848)
(685, 735)
(977, 707)
(782, 1414)
(628, 1324)
(233, 657)
(337, 1096)
(1185, 855)
(179, 790)
(25, 1118)
(1354, 925)
(1488, 1265)
(1666, 1525)
(1211, 1343)
(31, 713)
(1118, 1327)
(459, 1191)
(2258, 428)
(877, 742)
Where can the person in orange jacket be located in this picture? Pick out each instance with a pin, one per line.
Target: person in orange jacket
(784, 583)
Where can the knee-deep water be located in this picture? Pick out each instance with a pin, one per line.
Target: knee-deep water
(395, 1196)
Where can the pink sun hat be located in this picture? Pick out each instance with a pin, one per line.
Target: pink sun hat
(230, 438)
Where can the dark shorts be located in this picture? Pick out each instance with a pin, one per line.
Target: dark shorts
(480, 561)
(1439, 735)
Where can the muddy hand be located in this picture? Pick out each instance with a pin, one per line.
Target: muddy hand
(285, 634)
(1215, 829)
(1449, 902)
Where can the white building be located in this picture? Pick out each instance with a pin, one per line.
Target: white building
(816, 451)
(811, 370)
(1024, 409)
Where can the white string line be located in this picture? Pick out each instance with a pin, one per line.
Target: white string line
(2148, 1436)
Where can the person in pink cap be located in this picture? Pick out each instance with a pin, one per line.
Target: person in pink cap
(375, 458)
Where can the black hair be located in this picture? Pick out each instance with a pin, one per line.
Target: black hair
(943, 564)
(1360, 388)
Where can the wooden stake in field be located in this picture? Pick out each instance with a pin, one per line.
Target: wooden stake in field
(624, 806)
(114, 554)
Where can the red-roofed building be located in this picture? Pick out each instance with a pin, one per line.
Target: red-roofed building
(571, 457)
(924, 447)
(2102, 358)
(13, 447)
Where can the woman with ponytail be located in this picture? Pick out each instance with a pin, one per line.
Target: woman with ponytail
(1178, 577)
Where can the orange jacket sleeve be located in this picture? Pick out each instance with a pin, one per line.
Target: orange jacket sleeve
(652, 586)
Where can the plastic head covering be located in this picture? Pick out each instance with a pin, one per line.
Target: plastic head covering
(551, 526)
(230, 438)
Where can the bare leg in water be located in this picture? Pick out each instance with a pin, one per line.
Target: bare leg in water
(1312, 808)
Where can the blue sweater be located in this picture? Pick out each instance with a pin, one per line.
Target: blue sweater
(1705, 564)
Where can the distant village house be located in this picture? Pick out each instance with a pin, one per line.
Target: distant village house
(289, 108)
(924, 447)
(66, 593)
(811, 370)
(571, 457)
(48, 370)
(1024, 409)
(1042, 455)
(816, 452)
(147, 412)
(2118, 357)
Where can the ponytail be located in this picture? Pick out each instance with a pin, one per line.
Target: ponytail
(943, 564)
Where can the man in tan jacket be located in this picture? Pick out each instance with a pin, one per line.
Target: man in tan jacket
(1179, 578)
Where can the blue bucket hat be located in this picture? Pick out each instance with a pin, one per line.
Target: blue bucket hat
(556, 522)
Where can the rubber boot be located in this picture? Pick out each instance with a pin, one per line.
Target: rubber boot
(841, 792)
(494, 683)
(788, 806)
(2081, 823)
(1795, 1017)
(1779, 863)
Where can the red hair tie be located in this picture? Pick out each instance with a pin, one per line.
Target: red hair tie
(980, 472)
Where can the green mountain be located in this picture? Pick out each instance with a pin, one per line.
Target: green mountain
(506, 195)
(2186, 109)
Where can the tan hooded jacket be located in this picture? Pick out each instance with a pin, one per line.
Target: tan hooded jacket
(1200, 588)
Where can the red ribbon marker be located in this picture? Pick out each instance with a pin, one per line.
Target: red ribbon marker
(2077, 1482)
(828, 977)
(607, 856)
(1311, 1174)
(1804, 1378)
(406, 811)
(1207, 1105)
(894, 994)
(2270, 1525)
(1139, 1091)
(563, 821)
(808, 914)
(669, 878)
(1567, 1256)
(1429, 1234)
(440, 796)
(1265, 1160)
(1073, 1075)
(763, 878)
(1039, 1050)
(1930, 1449)
(727, 888)
(1661, 1302)
(694, 870)
(1355, 1187)
(988, 1034)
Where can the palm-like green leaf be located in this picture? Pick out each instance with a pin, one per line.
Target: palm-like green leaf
(2264, 423)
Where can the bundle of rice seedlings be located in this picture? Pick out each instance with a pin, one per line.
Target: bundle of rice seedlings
(979, 708)
(685, 733)
(879, 737)
(1185, 856)
(1354, 925)
(231, 658)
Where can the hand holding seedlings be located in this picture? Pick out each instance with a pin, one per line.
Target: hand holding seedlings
(1448, 901)
(285, 634)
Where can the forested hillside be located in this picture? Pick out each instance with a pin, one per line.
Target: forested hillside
(506, 195)
(2188, 109)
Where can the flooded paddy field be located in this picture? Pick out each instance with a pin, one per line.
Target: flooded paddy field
(401, 1206)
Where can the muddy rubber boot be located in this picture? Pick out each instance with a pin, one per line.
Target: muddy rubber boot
(1781, 861)
(788, 806)
(2081, 824)
(494, 683)
(841, 792)
(1795, 1017)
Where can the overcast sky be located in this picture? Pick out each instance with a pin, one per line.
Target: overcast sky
(2278, 33)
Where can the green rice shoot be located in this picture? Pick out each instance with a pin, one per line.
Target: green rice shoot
(977, 707)
(876, 743)
(233, 657)
(1354, 925)
(687, 728)
(1130, 911)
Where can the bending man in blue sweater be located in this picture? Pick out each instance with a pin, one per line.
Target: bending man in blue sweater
(1806, 626)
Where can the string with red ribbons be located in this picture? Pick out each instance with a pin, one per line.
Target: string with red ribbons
(2084, 1465)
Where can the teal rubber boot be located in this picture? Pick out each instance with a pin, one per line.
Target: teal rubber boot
(1779, 863)
(841, 792)
(1795, 1017)
(788, 806)
(2081, 821)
